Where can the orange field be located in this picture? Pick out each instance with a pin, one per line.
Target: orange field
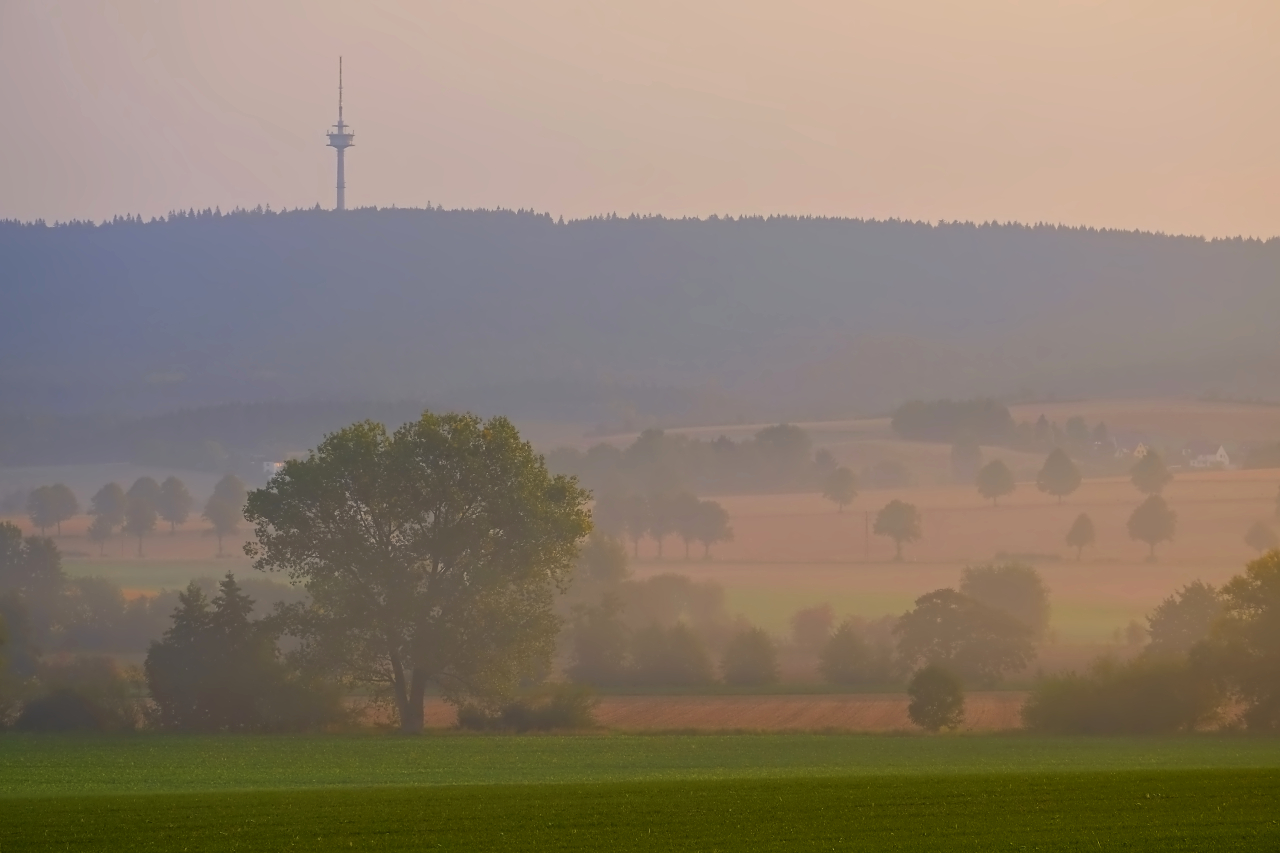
(874, 712)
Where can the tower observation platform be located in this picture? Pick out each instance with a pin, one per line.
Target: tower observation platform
(341, 138)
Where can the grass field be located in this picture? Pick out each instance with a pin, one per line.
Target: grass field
(1171, 811)
(766, 792)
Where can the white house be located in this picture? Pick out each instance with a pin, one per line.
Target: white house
(1203, 454)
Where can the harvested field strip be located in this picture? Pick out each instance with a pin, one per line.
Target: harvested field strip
(53, 766)
(1165, 811)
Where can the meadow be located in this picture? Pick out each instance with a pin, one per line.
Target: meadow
(672, 792)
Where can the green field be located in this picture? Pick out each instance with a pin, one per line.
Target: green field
(662, 792)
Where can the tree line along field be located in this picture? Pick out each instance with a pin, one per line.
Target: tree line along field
(795, 550)
(655, 792)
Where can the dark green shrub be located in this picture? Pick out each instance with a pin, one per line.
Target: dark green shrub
(674, 657)
(1143, 696)
(750, 659)
(85, 694)
(937, 699)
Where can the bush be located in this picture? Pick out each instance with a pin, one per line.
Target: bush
(937, 699)
(553, 707)
(1144, 696)
(87, 694)
(750, 659)
(675, 657)
(847, 658)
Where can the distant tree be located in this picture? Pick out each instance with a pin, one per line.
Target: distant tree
(622, 514)
(664, 508)
(712, 526)
(1081, 535)
(1014, 588)
(603, 559)
(225, 508)
(811, 627)
(1153, 522)
(1183, 619)
(140, 512)
(1261, 537)
(31, 570)
(41, 508)
(937, 699)
(1077, 432)
(1149, 474)
(109, 504)
(100, 531)
(840, 487)
(175, 502)
(824, 462)
(901, 522)
(674, 657)
(995, 480)
(59, 504)
(750, 659)
(986, 421)
(1059, 476)
(966, 460)
(636, 515)
(599, 643)
(846, 658)
(978, 642)
(685, 510)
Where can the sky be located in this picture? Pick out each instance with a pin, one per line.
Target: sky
(1161, 115)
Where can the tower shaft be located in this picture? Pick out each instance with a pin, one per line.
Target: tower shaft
(340, 138)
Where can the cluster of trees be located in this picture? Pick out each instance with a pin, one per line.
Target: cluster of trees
(968, 424)
(633, 516)
(776, 458)
(137, 511)
(1212, 659)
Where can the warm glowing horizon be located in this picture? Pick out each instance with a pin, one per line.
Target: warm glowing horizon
(1155, 116)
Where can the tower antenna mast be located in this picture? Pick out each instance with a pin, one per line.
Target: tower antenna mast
(341, 139)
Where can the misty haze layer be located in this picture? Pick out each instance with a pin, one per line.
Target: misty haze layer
(804, 317)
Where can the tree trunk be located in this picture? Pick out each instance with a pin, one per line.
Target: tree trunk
(898, 555)
(401, 691)
(219, 535)
(412, 721)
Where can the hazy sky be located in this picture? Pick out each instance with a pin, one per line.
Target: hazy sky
(1161, 115)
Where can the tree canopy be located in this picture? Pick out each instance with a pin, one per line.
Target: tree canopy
(1059, 476)
(977, 642)
(1149, 474)
(995, 480)
(901, 522)
(1081, 534)
(431, 554)
(840, 487)
(1153, 522)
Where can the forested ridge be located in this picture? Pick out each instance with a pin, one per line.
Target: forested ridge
(516, 311)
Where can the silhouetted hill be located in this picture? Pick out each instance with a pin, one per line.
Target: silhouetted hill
(514, 311)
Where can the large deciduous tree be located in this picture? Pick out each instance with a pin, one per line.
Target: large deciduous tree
(977, 642)
(1059, 476)
(1014, 588)
(431, 555)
